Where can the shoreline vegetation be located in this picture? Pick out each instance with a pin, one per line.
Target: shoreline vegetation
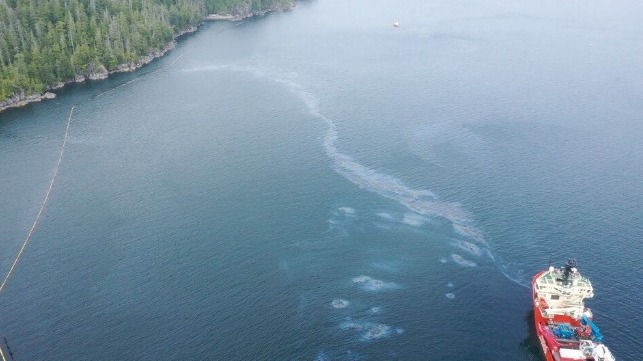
(25, 80)
(21, 100)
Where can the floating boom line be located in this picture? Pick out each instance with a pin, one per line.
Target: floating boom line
(57, 168)
(42, 207)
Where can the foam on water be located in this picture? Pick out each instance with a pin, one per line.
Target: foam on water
(450, 295)
(468, 247)
(462, 261)
(376, 331)
(413, 219)
(233, 67)
(218, 67)
(375, 309)
(340, 303)
(349, 325)
(470, 232)
(390, 187)
(418, 200)
(346, 210)
(370, 284)
(385, 216)
(421, 201)
(338, 222)
(367, 330)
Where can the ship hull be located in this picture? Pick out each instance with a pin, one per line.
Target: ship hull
(538, 321)
(562, 323)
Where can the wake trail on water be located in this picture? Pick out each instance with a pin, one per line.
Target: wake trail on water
(420, 201)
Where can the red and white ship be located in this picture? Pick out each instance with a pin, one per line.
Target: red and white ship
(563, 324)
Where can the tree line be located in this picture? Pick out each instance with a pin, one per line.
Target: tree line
(44, 42)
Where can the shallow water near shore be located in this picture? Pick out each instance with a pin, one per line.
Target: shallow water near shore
(319, 185)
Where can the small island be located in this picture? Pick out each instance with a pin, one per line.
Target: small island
(47, 44)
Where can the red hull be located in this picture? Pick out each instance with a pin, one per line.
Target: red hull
(563, 324)
(547, 341)
(539, 320)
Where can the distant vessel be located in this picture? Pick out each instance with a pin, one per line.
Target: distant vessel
(563, 324)
(396, 24)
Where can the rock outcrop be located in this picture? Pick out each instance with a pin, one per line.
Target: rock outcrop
(244, 11)
(21, 100)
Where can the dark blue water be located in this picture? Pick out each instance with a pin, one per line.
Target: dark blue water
(318, 185)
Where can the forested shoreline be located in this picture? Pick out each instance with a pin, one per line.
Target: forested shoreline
(47, 43)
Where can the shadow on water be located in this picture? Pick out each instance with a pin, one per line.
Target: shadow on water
(530, 345)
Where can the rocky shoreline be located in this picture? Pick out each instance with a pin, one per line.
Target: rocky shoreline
(99, 73)
(21, 100)
(245, 12)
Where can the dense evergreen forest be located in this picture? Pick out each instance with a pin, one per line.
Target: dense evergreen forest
(45, 42)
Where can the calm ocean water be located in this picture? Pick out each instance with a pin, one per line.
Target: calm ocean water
(318, 185)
